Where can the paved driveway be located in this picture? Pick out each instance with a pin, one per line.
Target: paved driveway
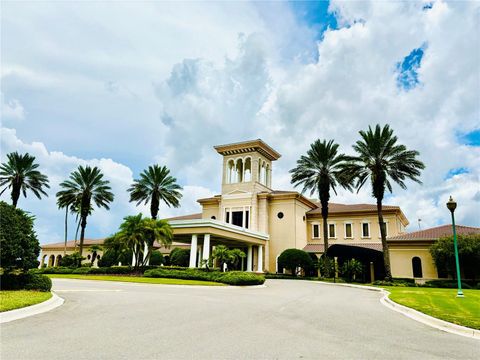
(285, 320)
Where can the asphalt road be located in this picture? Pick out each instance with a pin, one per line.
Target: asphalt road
(284, 320)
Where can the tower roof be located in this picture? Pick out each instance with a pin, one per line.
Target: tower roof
(248, 146)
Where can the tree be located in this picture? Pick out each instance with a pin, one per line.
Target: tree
(293, 259)
(156, 230)
(132, 236)
(85, 187)
(155, 185)
(319, 171)
(20, 174)
(71, 260)
(236, 257)
(351, 270)
(94, 249)
(380, 159)
(180, 257)
(443, 254)
(156, 258)
(223, 255)
(18, 241)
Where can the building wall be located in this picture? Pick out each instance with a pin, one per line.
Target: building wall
(56, 252)
(356, 220)
(401, 261)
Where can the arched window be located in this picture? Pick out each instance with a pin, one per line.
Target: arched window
(263, 174)
(248, 170)
(239, 171)
(230, 170)
(417, 267)
(51, 260)
(267, 175)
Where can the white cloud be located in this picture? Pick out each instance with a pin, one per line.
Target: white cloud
(11, 109)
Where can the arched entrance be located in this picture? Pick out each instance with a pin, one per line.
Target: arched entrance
(365, 255)
(417, 267)
(57, 261)
(51, 261)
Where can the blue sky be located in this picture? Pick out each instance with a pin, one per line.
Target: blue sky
(154, 82)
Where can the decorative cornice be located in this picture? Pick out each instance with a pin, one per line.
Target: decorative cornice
(248, 146)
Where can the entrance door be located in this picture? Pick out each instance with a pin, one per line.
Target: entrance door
(237, 218)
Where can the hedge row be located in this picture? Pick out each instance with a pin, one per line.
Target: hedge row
(239, 278)
(25, 281)
(114, 270)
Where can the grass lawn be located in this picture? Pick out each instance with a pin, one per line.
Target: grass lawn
(441, 303)
(136, 279)
(10, 300)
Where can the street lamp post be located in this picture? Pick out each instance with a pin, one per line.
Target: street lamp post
(452, 205)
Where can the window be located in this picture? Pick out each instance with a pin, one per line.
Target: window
(417, 267)
(331, 231)
(316, 231)
(280, 215)
(227, 217)
(365, 230)
(247, 217)
(213, 217)
(348, 231)
(237, 218)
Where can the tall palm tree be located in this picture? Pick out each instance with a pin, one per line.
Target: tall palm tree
(155, 185)
(70, 204)
(380, 159)
(85, 185)
(319, 171)
(21, 174)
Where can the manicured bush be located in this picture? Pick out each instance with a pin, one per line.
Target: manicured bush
(395, 282)
(180, 257)
(231, 278)
(18, 241)
(109, 258)
(292, 259)
(449, 284)
(81, 270)
(71, 260)
(156, 258)
(28, 281)
(351, 269)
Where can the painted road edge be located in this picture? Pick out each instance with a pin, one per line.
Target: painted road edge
(50, 304)
(417, 315)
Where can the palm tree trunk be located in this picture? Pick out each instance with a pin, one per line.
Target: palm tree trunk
(82, 233)
(66, 234)
(154, 204)
(76, 232)
(386, 254)
(15, 195)
(325, 236)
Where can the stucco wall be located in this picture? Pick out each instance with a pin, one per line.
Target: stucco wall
(401, 261)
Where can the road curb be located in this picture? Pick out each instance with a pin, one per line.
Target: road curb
(50, 304)
(417, 315)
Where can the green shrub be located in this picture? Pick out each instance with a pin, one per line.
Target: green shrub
(38, 282)
(18, 241)
(351, 269)
(27, 281)
(291, 259)
(448, 284)
(81, 270)
(395, 282)
(156, 258)
(231, 278)
(71, 260)
(326, 266)
(180, 257)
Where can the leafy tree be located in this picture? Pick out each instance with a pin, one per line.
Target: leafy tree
(94, 249)
(381, 160)
(132, 236)
(319, 171)
(18, 242)
(20, 174)
(156, 258)
(351, 270)
(116, 251)
(85, 187)
(155, 185)
(327, 266)
(236, 257)
(180, 257)
(71, 260)
(443, 253)
(293, 259)
(223, 255)
(156, 230)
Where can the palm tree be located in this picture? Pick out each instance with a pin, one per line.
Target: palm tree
(155, 185)
(223, 255)
(21, 174)
(320, 170)
(155, 230)
(85, 185)
(380, 159)
(94, 249)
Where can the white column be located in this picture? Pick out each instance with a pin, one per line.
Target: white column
(145, 253)
(133, 255)
(249, 258)
(193, 251)
(206, 247)
(260, 258)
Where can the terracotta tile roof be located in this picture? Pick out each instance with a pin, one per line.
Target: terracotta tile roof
(436, 233)
(71, 243)
(187, 217)
(318, 248)
(341, 208)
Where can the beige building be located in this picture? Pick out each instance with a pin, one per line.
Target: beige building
(250, 215)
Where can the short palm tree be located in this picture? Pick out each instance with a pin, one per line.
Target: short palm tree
(84, 188)
(155, 230)
(155, 185)
(223, 255)
(20, 174)
(132, 235)
(319, 171)
(380, 159)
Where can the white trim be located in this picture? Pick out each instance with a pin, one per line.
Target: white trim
(184, 224)
(369, 230)
(334, 230)
(313, 232)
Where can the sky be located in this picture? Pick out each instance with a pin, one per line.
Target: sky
(124, 85)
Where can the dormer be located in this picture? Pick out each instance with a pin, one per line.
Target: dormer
(247, 166)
